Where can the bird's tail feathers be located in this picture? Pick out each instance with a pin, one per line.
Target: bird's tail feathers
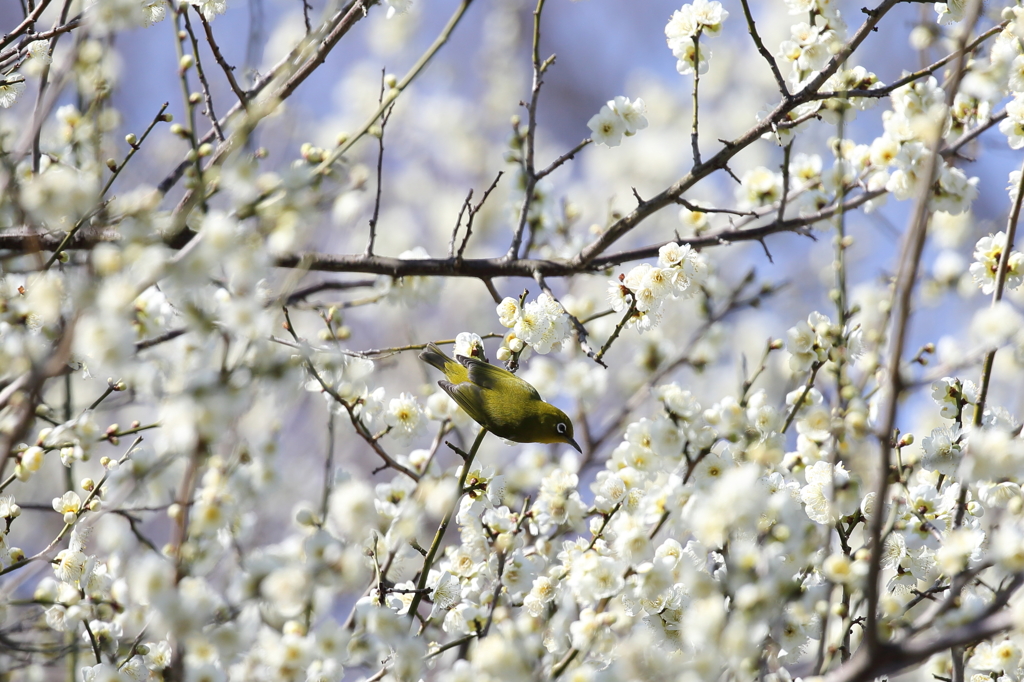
(435, 356)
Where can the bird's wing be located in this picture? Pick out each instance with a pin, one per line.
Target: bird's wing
(492, 378)
(467, 396)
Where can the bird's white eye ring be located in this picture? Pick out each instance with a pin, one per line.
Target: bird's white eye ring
(561, 427)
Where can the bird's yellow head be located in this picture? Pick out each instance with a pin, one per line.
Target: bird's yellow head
(550, 425)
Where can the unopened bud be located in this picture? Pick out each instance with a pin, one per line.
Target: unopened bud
(88, 484)
(112, 165)
(186, 62)
(131, 139)
(390, 80)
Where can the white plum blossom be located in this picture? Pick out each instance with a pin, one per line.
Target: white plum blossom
(541, 323)
(404, 416)
(942, 450)
(11, 88)
(607, 127)
(210, 8)
(1013, 125)
(684, 28)
(987, 253)
(951, 11)
(617, 118)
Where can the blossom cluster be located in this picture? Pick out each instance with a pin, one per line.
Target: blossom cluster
(541, 324)
(644, 289)
(618, 117)
(684, 29)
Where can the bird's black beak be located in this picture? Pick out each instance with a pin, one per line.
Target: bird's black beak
(573, 443)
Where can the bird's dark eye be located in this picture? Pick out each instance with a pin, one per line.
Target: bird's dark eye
(561, 427)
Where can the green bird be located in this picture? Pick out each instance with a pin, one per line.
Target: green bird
(499, 401)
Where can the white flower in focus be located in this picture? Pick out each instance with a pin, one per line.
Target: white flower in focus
(632, 113)
(541, 594)
(542, 324)
(10, 88)
(508, 312)
(942, 450)
(69, 565)
(446, 593)
(710, 15)
(671, 254)
(153, 12)
(68, 505)
(657, 285)
(682, 26)
(607, 127)
(830, 493)
(404, 416)
(948, 393)
(619, 295)
(159, 656)
(987, 253)
(468, 345)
